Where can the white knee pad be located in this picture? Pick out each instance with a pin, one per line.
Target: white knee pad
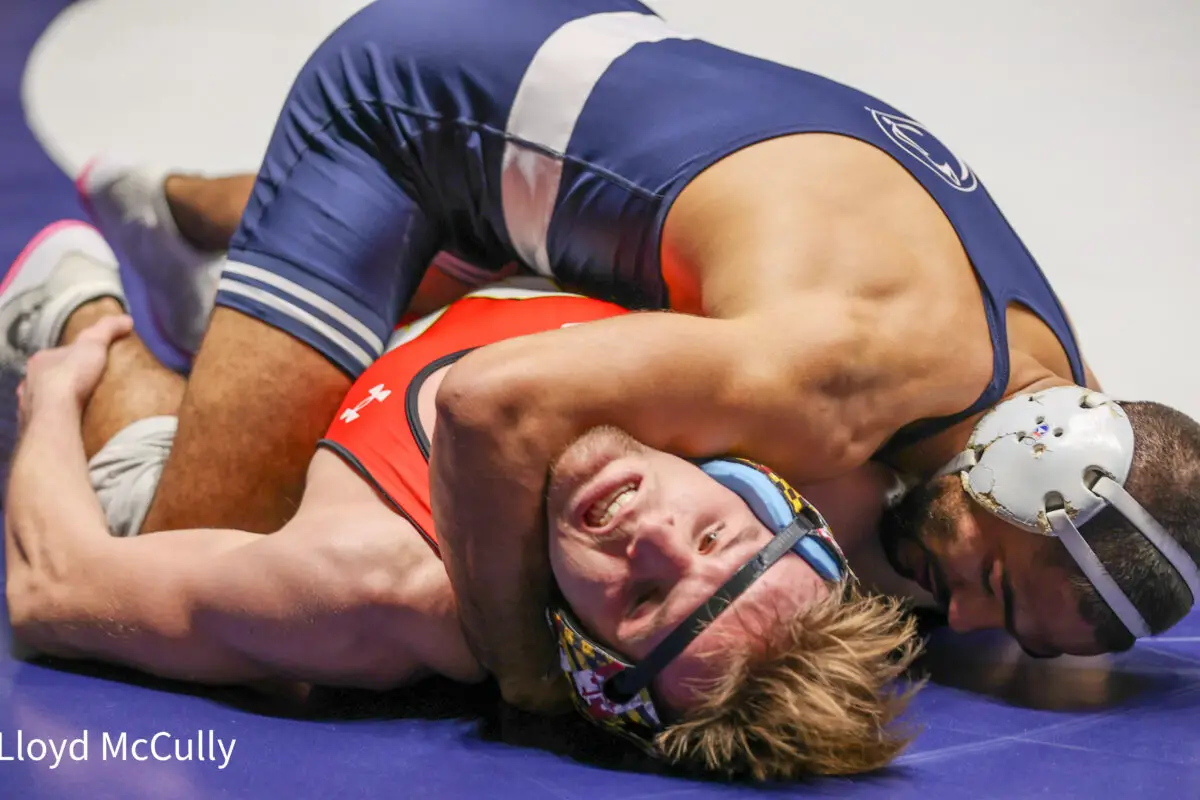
(125, 472)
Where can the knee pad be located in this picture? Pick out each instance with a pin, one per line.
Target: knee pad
(126, 471)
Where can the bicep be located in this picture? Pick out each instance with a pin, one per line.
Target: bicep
(335, 598)
(207, 605)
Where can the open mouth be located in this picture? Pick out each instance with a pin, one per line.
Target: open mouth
(601, 512)
(603, 503)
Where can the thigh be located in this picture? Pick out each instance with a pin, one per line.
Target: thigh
(335, 237)
(329, 252)
(331, 249)
(256, 404)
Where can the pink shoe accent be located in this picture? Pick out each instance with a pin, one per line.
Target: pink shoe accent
(36, 242)
(81, 187)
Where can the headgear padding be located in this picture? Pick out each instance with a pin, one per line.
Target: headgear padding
(1052, 460)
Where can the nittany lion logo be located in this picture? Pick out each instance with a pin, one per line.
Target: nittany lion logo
(912, 137)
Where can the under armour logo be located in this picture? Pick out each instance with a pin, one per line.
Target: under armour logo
(376, 393)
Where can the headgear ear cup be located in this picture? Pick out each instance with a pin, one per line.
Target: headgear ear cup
(1048, 462)
(589, 665)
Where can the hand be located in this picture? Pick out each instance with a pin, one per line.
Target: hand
(70, 373)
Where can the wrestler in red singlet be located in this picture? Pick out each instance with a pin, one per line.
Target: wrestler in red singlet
(378, 430)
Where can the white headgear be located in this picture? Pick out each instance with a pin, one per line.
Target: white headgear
(1050, 461)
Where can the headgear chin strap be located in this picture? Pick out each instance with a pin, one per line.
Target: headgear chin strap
(615, 693)
(1050, 461)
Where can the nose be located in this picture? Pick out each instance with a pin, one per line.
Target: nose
(972, 611)
(657, 551)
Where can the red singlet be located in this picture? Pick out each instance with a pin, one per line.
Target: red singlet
(378, 431)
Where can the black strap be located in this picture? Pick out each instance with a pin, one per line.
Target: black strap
(623, 686)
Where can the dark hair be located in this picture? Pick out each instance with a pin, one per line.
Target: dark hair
(1165, 478)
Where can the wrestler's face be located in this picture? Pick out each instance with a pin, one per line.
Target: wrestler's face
(983, 572)
(639, 539)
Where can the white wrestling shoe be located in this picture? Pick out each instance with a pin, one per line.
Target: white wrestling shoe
(170, 283)
(64, 266)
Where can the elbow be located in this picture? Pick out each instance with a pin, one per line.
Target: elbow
(31, 604)
(484, 399)
(24, 606)
(462, 400)
(21, 613)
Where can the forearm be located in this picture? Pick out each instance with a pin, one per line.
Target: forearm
(802, 399)
(68, 588)
(500, 427)
(52, 516)
(75, 592)
(75, 624)
(72, 589)
(496, 557)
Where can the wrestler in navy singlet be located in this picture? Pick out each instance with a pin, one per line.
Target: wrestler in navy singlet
(552, 132)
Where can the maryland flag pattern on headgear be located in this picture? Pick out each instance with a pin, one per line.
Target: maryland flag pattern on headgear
(588, 665)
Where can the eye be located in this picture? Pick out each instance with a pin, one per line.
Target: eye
(708, 540)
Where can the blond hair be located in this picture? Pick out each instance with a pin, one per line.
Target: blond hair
(813, 694)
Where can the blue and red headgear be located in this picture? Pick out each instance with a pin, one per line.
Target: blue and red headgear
(615, 693)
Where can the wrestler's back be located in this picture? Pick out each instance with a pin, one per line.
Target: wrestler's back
(584, 139)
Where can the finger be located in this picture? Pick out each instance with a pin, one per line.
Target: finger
(107, 330)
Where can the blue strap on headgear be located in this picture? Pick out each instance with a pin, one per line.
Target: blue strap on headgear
(768, 499)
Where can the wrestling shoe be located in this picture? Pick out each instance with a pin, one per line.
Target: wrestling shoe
(170, 283)
(64, 266)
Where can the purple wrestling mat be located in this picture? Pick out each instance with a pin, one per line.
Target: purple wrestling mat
(995, 725)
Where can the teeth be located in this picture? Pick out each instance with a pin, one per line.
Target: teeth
(602, 511)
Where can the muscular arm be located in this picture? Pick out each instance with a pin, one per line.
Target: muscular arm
(800, 389)
(213, 606)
